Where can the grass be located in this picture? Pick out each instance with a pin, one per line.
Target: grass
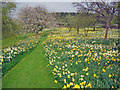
(10, 41)
(31, 71)
(7, 42)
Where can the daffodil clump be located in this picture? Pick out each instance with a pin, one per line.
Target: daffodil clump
(83, 62)
(8, 55)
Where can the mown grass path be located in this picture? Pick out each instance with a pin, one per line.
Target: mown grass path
(31, 71)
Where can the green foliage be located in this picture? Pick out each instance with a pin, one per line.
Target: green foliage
(9, 26)
(64, 18)
(114, 20)
(84, 20)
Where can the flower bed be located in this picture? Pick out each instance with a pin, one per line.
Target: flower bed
(12, 55)
(82, 62)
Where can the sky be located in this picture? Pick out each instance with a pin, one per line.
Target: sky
(50, 6)
(63, 0)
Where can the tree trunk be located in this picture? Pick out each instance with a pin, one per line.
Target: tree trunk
(85, 32)
(36, 32)
(107, 27)
(94, 28)
(77, 30)
(69, 29)
(24, 33)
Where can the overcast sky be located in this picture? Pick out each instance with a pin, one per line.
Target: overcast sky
(58, 6)
(51, 6)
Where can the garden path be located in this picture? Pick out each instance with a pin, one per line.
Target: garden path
(31, 71)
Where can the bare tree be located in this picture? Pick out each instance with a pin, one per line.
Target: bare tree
(105, 11)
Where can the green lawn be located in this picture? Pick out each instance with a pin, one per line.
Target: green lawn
(7, 42)
(31, 71)
(10, 41)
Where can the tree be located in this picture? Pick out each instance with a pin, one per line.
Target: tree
(105, 11)
(83, 20)
(69, 21)
(35, 19)
(64, 18)
(9, 26)
(52, 21)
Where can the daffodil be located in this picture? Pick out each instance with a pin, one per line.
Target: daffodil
(89, 84)
(64, 80)
(87, 73)
(68, 85)
(82, 86)
(55, 81)
(82, 75)
(110, 75)
(64, 87)
(68, 76)
(84, 82)
(76, 86)
(103, 70)
(71, 83)
(95, 75)
(76, 62)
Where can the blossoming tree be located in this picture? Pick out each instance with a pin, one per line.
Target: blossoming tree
(35, 19)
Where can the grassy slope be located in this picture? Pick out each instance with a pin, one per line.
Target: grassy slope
(7, 42)
(31, 71)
